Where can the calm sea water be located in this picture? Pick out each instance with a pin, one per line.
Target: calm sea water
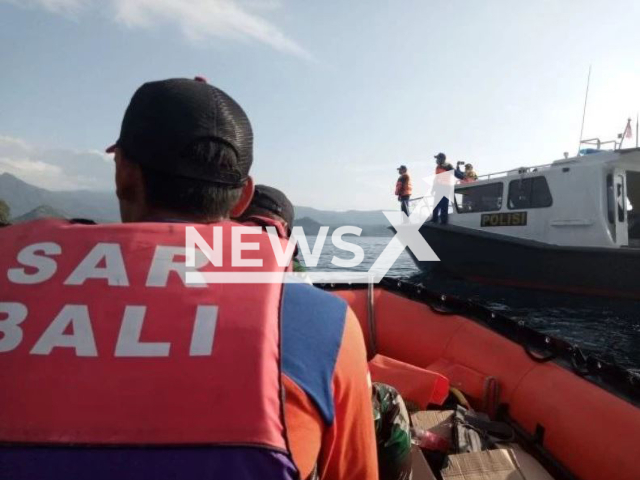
(608, 328)
(373, 248)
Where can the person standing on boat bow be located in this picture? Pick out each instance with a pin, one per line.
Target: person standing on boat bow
(441, 210)
(403, 189)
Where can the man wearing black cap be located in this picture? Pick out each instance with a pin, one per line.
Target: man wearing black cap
(163, 396)
(184, 154)
(403, 190)
(185, 147)
(441, 210)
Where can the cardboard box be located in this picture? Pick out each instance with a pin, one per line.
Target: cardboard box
(529, 466)
(439, 422)
(420, 467)
(500, 464)
(487, 465)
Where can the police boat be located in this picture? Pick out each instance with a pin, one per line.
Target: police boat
(572, 226)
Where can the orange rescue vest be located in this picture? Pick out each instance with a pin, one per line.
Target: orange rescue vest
(441, 169)
(103, 343)
(469, 177)
(403, 185)
(445, 181)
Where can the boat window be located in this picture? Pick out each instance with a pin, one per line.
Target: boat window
(529, 193)
(480, 198)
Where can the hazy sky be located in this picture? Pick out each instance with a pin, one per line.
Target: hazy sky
(339, 92)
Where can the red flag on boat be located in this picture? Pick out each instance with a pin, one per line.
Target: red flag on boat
(627, 131)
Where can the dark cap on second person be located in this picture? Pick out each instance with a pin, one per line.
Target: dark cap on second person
(274, 201)
(165, 118)
(440, 157)
(402, 167)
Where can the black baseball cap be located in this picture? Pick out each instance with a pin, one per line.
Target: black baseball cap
(402, 167)
(166, 117)
(440, 156)
(274, 201)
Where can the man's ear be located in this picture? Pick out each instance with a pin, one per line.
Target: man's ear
(245, 199)
(128, 179)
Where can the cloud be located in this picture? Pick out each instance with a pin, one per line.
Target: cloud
(197, 19)
(55, 6)
(56, 169)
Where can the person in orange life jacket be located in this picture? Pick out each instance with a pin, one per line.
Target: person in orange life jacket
(441, 210)
(271, 207)
(326, 390)
(182, 159)
(403, 189)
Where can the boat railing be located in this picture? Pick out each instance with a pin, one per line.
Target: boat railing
(427, 201)
(599, 143)
(504, 173)
(519, 171)
(617, 145)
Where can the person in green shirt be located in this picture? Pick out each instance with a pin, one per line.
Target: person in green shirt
(393, 434)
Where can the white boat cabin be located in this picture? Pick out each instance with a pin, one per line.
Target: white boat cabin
(590, 200)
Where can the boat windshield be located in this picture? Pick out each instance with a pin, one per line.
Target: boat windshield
(479, 198)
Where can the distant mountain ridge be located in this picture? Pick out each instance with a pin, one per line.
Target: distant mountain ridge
(43, 211)
(359, 218)
(28, 202)
(310, 226)
(23, 198)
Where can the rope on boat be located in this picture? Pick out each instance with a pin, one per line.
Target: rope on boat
(371, 318)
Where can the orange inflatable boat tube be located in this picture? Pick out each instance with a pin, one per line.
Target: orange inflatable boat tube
(589, 431)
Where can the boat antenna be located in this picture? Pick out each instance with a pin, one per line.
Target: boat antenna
(636, 130)
(584, 110)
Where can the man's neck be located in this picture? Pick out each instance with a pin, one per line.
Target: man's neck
(160, 215)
